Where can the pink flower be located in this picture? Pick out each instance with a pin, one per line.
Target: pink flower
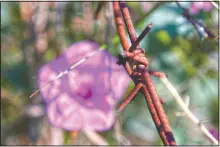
(215, 133)
(146, 6)
(85, 97)
(196, 7)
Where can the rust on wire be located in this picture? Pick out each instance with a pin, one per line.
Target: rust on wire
(122, 35)
(155, 116)
(120, 26)
(142, 35)
(159, 108)
(130, 97)
(128, 22)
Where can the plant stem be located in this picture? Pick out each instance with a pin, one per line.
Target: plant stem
(186, 110)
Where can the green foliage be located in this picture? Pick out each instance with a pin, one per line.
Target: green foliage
(109, 135)
(164, 37)
(49, 55)
(67, 137)
(172, 46)
(211, 73)
(214, 111)
(17, 76)
(116, 40)
(179, 135)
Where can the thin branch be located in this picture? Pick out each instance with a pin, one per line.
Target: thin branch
(108, 17)
(95, 138)
(186, 110)
(142, 17)
(196, 23)
(98, 9)
(122, 140)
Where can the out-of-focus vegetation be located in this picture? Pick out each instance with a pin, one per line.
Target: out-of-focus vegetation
(33, 34)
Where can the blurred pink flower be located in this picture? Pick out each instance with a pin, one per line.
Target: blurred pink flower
(146, 6)
(215, 133)
(196, 7)
(85, 98)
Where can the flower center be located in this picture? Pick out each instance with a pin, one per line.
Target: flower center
(85, 92)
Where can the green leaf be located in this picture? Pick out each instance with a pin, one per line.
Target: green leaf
(164, 37)
(115, 40)
(103, 47)
(49, 55)
(185, 44)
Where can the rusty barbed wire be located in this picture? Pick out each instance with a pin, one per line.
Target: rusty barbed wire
(138, 73)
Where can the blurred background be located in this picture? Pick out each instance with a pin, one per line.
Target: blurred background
(34, 33)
